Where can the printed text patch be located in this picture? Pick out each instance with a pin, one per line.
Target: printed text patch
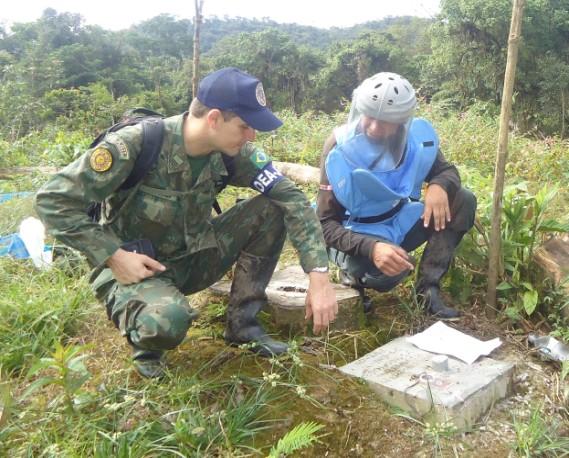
(267, 177)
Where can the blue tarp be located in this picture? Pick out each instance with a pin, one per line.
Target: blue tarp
(11, 195)
(12, 245)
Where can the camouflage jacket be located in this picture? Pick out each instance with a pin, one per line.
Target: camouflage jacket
(164, 207)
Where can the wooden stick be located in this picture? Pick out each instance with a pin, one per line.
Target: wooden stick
(198, 18)
(502, 155)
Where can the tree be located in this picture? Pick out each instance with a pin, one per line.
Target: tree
(469, 56)
(349, 63)
(553, 100)
(163, 35)
(285, 69)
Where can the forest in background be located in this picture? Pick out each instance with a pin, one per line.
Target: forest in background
(56, 71)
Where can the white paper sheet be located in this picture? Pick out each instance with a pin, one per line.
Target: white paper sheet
(439, 338)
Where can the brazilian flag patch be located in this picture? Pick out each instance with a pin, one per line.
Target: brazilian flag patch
(260, 159)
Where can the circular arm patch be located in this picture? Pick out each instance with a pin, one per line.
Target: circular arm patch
(101, 160)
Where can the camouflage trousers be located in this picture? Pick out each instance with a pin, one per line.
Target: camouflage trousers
(154, 314)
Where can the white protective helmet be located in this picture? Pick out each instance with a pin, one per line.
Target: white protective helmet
(384, 96)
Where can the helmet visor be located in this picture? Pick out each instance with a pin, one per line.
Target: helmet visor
(380, 145)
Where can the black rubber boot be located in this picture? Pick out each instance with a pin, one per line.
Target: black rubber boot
(149, 363)
(347, 279)
(435, 306)
(250, 278)
(435, 263)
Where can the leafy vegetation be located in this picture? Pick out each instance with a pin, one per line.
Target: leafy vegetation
(39, 309)
(66, 388)
(57, 70)
(538, 436)
(299, 437)
(69, 373)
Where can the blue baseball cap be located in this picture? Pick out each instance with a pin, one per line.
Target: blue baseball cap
(233, 90)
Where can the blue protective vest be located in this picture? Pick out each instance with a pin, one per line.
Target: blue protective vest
(370, 195)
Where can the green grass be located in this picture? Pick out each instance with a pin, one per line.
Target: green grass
(215, 400)
(38, 308)
(538, 435)
(301, 137)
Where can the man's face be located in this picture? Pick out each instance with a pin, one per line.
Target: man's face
(377, 130)
(231, 135)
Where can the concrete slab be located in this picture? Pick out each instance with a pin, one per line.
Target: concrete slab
(425, 386)
(287, 292)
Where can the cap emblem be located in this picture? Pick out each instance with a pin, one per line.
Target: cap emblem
(260, 95)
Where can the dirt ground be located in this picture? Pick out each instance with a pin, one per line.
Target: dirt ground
(364, 426)
(356, 422)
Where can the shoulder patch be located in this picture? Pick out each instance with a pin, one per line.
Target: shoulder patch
(101, 159)
(259, 159)
(119, 143)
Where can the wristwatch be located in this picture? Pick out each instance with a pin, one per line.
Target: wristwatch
(322, 270)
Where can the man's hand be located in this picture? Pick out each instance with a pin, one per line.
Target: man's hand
(391, 259)
(130, 267)
(321, 302)
(436, 205)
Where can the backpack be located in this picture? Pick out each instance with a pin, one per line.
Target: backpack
(152, 137)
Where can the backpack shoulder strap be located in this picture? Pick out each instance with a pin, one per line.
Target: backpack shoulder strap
(152, 137)
(229, 163)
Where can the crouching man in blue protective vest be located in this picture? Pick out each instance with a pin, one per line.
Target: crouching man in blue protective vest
(370, 204)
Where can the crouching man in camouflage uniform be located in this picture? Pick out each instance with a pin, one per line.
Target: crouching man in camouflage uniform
(167, 216)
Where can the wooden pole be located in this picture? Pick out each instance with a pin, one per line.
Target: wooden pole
(198, 4)
(562, 114)
(502, 155)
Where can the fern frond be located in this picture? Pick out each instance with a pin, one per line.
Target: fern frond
(300, 436)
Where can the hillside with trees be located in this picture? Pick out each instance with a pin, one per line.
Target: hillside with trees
(58, 70)
(67, 386)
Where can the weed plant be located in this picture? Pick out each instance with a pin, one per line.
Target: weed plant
(14, 212)
(437, 433)
(68, 372)
(539, 436)
(301, 137)
(299, 437)
(38, 309)
(525, 226)
(50, 147)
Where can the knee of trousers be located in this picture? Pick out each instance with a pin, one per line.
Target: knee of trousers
(463, 211)
(357, 266)
(261, 212)
(160, 327)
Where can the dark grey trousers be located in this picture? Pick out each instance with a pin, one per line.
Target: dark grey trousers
(436, 258)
